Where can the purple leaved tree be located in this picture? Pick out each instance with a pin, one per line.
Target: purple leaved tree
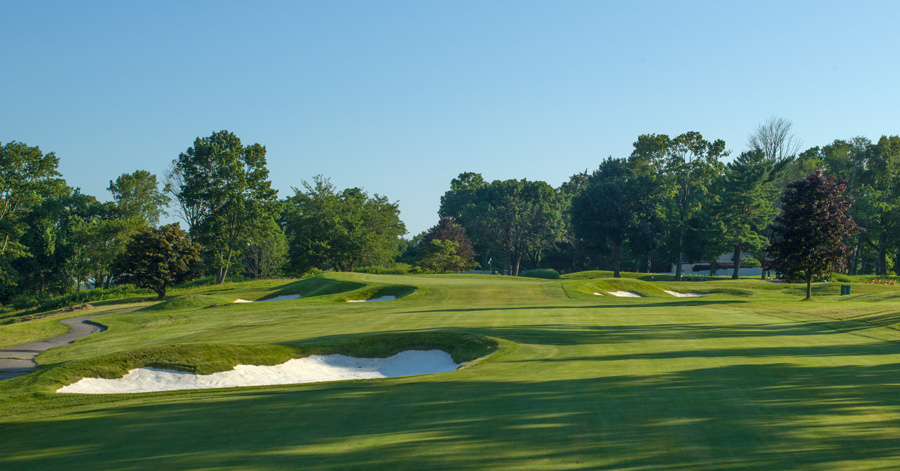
(809, 238)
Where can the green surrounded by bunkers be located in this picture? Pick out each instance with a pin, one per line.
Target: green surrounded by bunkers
(559, 374)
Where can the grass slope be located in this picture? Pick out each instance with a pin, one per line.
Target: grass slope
(751, 377)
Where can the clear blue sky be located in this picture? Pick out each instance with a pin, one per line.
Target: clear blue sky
(400, 97)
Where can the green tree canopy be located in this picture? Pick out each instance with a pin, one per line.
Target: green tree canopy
(448, 230)
(158, 258)
(440, 255)
(607, 213)
(27, 175)
(689, 165)
(137, 196)
(342, 229)
(230, 183)
(744, 206)
(513, 219)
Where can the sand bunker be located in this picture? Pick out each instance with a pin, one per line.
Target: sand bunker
(625, 294)
(283, 297)
(684, 295)
(599, 294)
(312, 369)
(383, 298)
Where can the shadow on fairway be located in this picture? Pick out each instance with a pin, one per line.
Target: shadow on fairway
(750, 417)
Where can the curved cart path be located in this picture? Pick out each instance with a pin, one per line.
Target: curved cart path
(19, 360)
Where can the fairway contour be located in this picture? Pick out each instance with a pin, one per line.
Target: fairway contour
(312, 369)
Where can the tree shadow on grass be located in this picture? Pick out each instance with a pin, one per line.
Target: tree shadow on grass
(752, 417)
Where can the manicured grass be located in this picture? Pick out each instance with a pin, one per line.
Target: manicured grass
(749, 377)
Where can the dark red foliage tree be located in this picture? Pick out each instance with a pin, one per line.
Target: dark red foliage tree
(809, 238)
(446, 229)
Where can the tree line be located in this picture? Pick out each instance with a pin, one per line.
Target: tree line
(57, 240)
(672, 199)
(675, 199)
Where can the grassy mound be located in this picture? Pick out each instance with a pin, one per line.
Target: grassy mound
(189, 301)
(317, 286)
(592, 274)
(546, 273)
(377, 291)
(211, 358)
(462, 347)
(605, 286)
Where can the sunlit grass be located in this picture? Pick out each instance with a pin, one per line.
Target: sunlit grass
(748, 377)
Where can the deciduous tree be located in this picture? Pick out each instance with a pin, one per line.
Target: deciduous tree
(691, 164)
(159, 258)
(137, 196)
(606, 213)
(809, 238)
(27, 175)
(448, 230)
(341, 229)
(230, 183)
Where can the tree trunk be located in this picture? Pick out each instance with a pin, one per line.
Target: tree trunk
(678, 265)
(223, 270)
(161, 293)
(713, 268)
(617, 259)
(881, 269)
(808, 286)
(737, 262)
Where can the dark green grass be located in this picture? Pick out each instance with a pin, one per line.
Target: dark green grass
(759, 381)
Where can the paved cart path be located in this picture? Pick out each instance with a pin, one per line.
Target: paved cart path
(19, 360)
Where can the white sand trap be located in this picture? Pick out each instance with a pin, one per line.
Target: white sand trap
(383, 298)
(599, 294)
(625, 294)
(684, 295)
(283, 297)
(312, 369)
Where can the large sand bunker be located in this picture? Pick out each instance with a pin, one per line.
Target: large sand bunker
(312, 369)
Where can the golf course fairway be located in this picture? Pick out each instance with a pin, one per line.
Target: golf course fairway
(748, 376)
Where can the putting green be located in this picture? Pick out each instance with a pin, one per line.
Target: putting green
(748, 377)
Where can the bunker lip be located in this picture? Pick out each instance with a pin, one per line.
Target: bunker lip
(383, 298)
(311, 369)
(683, 295)
(625, 294)
(283, 297)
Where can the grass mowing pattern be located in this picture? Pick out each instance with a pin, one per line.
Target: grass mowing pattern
(756, 382)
